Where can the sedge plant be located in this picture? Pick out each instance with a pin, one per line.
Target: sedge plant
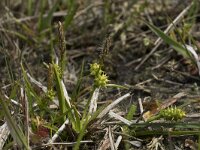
(42, 116)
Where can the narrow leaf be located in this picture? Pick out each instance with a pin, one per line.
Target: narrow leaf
(15, 131)
(60, 93)
(177, 46)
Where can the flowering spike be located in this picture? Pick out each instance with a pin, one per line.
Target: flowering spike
(101, 79)
(95, 69)
(172, 114)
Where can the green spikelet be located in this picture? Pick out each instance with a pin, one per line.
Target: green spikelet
(172, 114)
(100, 78)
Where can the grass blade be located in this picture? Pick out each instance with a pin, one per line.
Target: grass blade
(161, 132)
(77, 88)
(30, 7)
(17, 34)
(64, 103)
(81, 134)
(10, 72)
(71, 13)
(42, 11)
(77, 122)
(177, 46)
(29, 88)
(60, 93)
(46, 21)
(84, 123)
(15, 131)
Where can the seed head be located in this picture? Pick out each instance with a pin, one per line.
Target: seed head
(172, 114)
(101, 80)
(95, 69)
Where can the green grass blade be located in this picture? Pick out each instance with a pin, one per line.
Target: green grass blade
(29, 87)
(81, 134)
(126, 130)
(77, 122)
(77, 88)
(46, 21)
(177, 46)
(65, 106)
(16, 132)
(61, 98)
(19, 35)
(10, 72)
(180, 125)
(30, 7)
(165, 132)
(15, 88)
(72, 7)
(193, 12)
(42, 11)
(84, 123)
